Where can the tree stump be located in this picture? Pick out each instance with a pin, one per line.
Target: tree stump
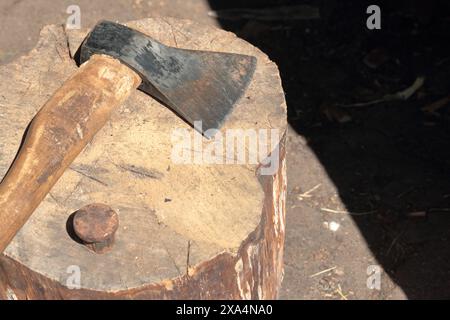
(187, 230)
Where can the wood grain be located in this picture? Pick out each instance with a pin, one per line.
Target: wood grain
(57, 134)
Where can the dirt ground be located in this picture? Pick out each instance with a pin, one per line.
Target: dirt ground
(368, 184)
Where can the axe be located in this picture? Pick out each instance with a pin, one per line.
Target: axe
(115, 60)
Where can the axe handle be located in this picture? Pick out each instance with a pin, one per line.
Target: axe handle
(57, 134)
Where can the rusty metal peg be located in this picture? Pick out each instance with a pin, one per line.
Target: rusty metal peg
(96, 225)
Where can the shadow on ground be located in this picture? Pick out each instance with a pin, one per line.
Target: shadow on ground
(389, 161)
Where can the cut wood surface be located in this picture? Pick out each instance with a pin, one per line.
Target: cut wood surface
(58, 133)
(186, 230)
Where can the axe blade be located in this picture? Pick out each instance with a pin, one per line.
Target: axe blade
(197, 85)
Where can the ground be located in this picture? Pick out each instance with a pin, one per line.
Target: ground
(368, 184)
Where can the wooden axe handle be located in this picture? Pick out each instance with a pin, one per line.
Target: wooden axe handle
(57, 134)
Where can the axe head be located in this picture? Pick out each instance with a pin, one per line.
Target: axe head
(197, 85)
